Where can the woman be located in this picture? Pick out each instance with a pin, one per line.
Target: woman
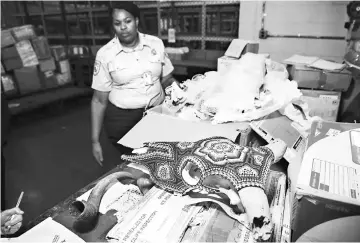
(130, 73)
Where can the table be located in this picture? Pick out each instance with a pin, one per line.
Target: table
(60, 213)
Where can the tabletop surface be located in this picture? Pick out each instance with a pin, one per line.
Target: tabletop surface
(61, 212)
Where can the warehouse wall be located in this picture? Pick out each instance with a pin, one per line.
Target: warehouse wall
(307, 18)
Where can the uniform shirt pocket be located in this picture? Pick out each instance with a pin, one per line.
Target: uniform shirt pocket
(119, 72)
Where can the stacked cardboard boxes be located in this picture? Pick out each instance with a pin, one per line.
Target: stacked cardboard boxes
(29, 64)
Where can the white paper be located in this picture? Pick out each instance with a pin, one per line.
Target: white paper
(159, 217)
(156, 127)
(119, 197)
(326, 65)
(49, 231)
(302, 60)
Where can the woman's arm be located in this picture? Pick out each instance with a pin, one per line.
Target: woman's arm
(168, 80)
(98, 106)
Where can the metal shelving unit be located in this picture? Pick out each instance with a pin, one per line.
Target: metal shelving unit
(198, 24)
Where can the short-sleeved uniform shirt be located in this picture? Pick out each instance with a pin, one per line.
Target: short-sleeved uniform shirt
(132, 76)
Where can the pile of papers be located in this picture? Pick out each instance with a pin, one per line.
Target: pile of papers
(48, 231)
(159, 217)
(214, 225)
(314, 62)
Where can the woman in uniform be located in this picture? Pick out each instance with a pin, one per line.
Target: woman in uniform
(130, 74)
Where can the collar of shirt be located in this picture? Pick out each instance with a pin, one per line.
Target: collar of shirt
(143, 41)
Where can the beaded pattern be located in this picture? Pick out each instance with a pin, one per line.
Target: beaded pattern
(241, 166)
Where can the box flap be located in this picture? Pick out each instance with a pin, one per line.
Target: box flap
(236, 48)
(278, 126)
(158, 127)
(300, 60)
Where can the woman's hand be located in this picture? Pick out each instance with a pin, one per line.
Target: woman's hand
(97, 152)
(11, 221)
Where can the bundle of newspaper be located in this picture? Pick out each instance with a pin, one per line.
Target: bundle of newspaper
(214, 225)
(277, 208)
(286, 231)
(159, 217)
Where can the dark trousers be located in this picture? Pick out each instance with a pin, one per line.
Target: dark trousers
(117, 122)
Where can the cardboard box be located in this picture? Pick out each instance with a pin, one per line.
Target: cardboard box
(236, 49)
(63, 66)
(47, 65)
(11, 58)
(58, 52)
(41, 47)
(49, 80)
(278, 126)
(63, 78)
(175, 129)
(9, 85)
(328, 181)
(25, 32)
(318, 79)
(324, 104)
(28, 79)
(18, 56)
(7, 38)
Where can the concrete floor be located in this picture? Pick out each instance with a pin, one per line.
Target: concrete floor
(49, 157)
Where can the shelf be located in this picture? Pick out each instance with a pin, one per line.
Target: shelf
(87, 10)
(198, 24)
(198, 38)
(99, 37)
(199, 3)
(55, 36)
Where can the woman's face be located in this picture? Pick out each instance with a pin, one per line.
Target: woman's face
(125, 25)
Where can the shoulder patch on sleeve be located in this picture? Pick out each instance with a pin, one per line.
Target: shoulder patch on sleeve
(96, 67)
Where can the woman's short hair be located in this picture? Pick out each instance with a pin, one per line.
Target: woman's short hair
(129, 6)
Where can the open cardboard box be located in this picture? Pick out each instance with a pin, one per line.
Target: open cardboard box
(277, 126)
(237, 48)
(322, 103)
(313, 199)
(327, 183)
(318, 79)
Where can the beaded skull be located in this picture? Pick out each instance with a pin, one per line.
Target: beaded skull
(241, 166)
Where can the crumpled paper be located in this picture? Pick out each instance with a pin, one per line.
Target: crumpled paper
(249, 90)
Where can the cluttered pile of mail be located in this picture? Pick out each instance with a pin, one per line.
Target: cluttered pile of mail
(248, 92)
